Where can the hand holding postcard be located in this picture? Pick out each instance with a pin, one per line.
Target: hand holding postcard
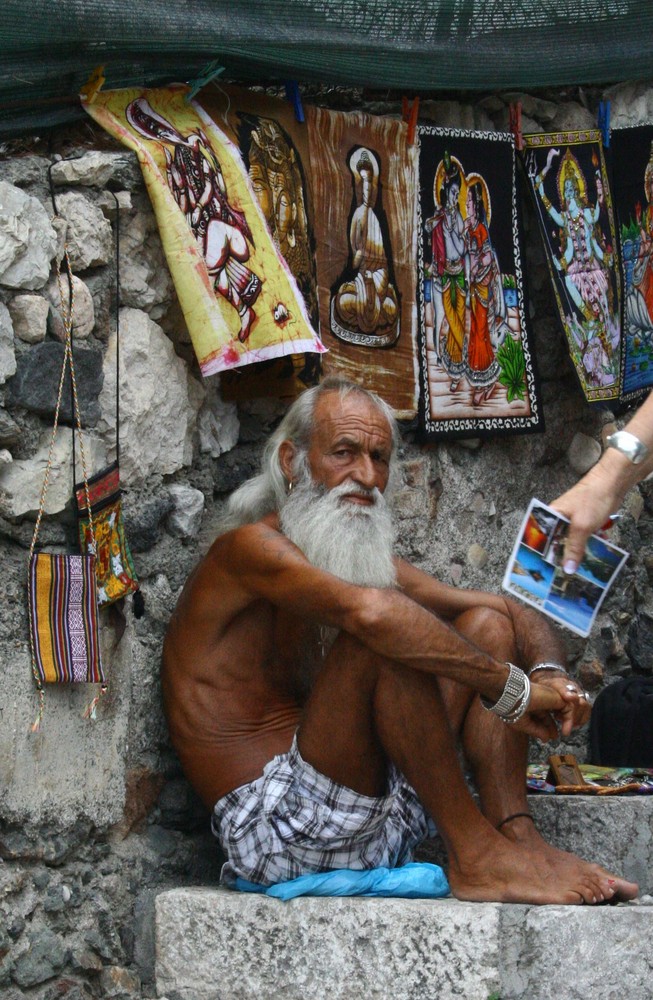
(535, 575)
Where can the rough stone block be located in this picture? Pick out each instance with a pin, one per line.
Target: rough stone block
(36, 382)
(553, 952)
(222, 945)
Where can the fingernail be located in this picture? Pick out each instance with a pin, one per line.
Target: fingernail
(612, 881)
(569, 566)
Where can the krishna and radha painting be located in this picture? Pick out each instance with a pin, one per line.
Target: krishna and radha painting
(476, 363)
(568, 176)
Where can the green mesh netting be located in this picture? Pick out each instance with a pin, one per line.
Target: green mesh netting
(48, 49)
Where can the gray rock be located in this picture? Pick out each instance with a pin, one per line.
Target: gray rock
(83, 308)
(116, 981)
(90, 239)
(143, 521)
(159, 401)
(24, 171)
(121, 204)
(9, 430)
(7, 355)
(44, 958)
(92, 169)
(21, 481)
(36, 382)
(27, 239)
(29, 314)
(217, 423)
(583, 453)
(186, 517)
(477, 556)
(631, 103)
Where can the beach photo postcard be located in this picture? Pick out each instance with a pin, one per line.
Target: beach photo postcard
(534, 573)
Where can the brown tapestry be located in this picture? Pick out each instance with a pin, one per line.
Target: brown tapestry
(274, 148)
(364, 184)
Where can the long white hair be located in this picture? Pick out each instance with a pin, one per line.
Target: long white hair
(265, 492)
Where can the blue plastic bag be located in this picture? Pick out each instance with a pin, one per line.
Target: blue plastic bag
(412, 881)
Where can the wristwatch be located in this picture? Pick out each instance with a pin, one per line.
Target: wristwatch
(628, 445)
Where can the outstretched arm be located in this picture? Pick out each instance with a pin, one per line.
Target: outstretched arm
(589, 503)
(258, 562)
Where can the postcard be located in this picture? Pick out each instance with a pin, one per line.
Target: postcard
(535, 575)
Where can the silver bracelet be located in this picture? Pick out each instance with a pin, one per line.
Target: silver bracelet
(629, 445)
(520, 709)
(548, 665)
(516, 689)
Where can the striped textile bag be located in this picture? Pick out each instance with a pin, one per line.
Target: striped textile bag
(64, 622)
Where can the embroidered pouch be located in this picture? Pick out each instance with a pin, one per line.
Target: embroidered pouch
(114, 567)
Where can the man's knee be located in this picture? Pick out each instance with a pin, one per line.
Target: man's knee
(490, 629)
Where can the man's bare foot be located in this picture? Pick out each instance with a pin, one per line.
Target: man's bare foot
(247, 318)
(508, 871)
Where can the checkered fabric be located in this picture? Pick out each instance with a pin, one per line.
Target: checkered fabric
(294, 821)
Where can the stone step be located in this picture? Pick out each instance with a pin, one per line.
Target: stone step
(614, 830)
(215, 944)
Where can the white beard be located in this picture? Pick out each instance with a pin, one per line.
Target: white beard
(352, 541)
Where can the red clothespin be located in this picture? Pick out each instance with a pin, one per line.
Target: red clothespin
(604, 122)
(515, 124)
(293, 95)
(409, 113)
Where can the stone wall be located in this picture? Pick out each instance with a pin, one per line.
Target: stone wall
(95, 816)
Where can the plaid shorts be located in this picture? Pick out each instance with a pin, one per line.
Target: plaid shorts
(295, 821)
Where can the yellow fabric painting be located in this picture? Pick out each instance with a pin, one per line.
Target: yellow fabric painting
(240, 301)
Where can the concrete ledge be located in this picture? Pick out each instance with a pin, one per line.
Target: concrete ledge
(221, 945)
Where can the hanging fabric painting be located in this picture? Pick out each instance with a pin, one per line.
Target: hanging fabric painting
(240, 301)
(274, 149)
(568, 176)
(363, 179)
(476, 365)
(632, 175)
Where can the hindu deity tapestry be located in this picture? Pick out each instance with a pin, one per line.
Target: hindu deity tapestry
(567, 173)
(476, 365)
(363, 181)
(274, 147)
(632, 186)
(240, 301)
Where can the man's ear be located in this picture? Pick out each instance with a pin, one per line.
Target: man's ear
(287, 452)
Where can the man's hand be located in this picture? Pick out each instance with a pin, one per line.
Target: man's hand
(557, 707)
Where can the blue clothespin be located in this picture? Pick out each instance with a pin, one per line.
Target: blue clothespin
(208, 73)
(293, 95)
(604, 122)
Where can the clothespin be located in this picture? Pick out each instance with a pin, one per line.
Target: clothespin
(409, 114)
(515, 124)
(604, 122)
(295, 98)
(93, 85)
(208, 73)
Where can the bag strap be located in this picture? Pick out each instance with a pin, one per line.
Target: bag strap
(67, 314)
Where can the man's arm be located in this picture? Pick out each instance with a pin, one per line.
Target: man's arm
(537, 640)
(259, 561)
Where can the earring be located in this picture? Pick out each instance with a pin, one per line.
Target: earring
(289, 486)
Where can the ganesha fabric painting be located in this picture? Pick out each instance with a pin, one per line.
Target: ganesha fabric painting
(363, 182)
(632, 188)
(240, 300)
(274, 148)
(476, 365)
(568, 176)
